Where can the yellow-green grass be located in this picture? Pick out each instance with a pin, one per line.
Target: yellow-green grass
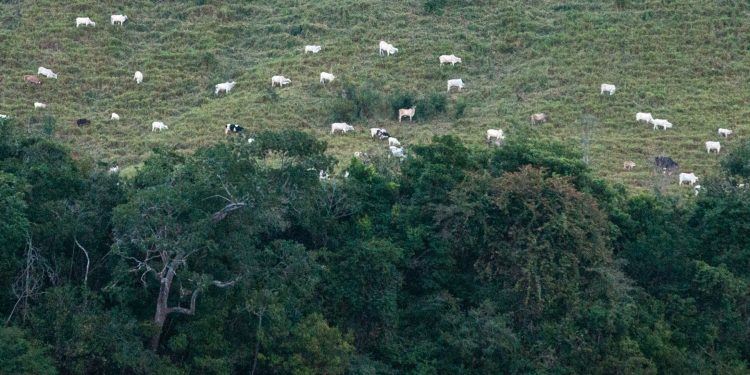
(686, 61)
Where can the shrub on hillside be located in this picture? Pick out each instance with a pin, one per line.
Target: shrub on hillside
(432, 105)
(435, 6)
(356, 102)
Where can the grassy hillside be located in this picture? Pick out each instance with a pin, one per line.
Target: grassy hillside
(686, 61)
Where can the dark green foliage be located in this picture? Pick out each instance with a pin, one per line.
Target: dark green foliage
(19, 355)
(434, 6)
(459, 107)
(737, 163)
(467, 260)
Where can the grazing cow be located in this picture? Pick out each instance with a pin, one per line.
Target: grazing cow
(393, 142)
(608, 88)
(397, 151)
(539, 118)
(82, 122)
(118, 18)
(724, 132)
(661, 123)
(388, 48)
(380, 133)
(158, 125)
(496, 134)
(226, 87)
(280, 80)
(628, 165)
(46, 72)
(114, 116)
(322, 175)
(85, 21)
(234, 128)
(326, 77)
(138, 77)
(312, 48)
(689, 178)
(710, 145)
(38, 105)
(250, 140)
(449, 59)
(643, 116)
(666, 163)
(407, 112)
(114, 169)
(3, 116)
(455, 83)
(32, 79)
(341, 126)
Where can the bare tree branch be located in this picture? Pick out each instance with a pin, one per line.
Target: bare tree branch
(88, 261)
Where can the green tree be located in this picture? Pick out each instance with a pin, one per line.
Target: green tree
(19, 355)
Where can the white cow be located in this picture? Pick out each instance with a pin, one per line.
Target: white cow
(39, 105)
(322, 175)
(114, 169)
(455, 83)
(661, 123)
(710, 145)
(326, 77)
(138, 76)
(697, 189)
(312, 48)
(250, 140)
(158, 125)
(388, 48)
(3, 116)
(643, 116)
(724, 132)
(397, 151)
(84, 21)
(46, 72)
(496, 134)
(449, 59)
(688, 177)
(393, 142)
(608, 88)
(341, 126)
(115, 18)
(280, 80)
(226, 87)
(114, 116)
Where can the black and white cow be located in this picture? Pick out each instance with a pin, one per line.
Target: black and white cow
(234, 128)
(666, 163)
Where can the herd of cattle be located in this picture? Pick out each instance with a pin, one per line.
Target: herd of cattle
(496, 136)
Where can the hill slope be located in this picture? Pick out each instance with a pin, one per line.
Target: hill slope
(685, 61)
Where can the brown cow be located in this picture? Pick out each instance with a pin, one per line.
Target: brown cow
(32, 79)
(404, 112)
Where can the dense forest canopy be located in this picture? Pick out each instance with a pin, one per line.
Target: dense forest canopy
(240, 259)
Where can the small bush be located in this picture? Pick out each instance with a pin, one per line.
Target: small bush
(459, 108)
(402, 100)
(296, 30)
(431, 106)
(48, 125)
(365, 99)
(435, 6)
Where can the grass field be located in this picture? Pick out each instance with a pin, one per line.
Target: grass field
(686, 61)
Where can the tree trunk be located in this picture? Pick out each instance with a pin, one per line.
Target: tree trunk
(162, 309)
